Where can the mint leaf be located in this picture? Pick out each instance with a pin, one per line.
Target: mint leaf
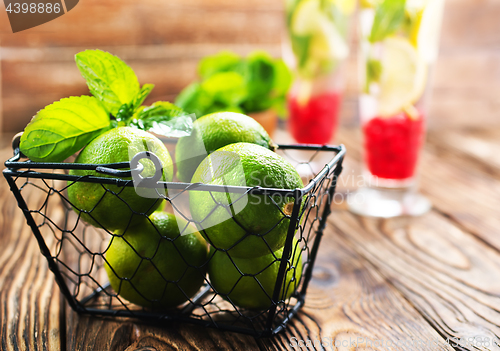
(268, 86)
(388, 17)
(224, 61)
(373, 71)
(141, 96)
(63, 128)
(300, 47)
(259, 75)
(124, 113)
(109, 79)
(228, 88)
(253, 84)
(282, 78)
(194, 99)
(290, 6)
(127, 110)
(163, 118)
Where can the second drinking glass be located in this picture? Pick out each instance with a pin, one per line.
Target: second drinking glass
(315, 48)
(399, 45)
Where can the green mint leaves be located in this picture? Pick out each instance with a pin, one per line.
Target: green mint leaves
(224, 61)
(109, 79)
(373, 73)
(126, 111)
(232, 83)
(163, 118)
(63, 128)
(142, 95)
(66, 126)
(388, 17)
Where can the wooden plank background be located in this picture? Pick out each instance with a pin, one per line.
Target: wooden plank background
(163, 40)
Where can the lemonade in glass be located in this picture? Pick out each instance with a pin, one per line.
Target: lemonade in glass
(399, 44)
(315, 48)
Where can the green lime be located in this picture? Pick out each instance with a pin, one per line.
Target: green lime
(249, 225)
(153, 265)
(110, 206)
(212, 132)
(250, 282)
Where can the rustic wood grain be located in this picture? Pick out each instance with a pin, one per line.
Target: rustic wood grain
(469, 25)
(471, 196)
(29, 297)
(445, 262)
(443, 271)
(50, 75)
(347, 299)
(98, 23)
(480, 149)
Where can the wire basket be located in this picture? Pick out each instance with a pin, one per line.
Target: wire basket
(76, 251)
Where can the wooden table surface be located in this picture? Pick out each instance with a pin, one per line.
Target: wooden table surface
(429, 283)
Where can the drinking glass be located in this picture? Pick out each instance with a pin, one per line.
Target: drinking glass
(315, 48)
(399, 46)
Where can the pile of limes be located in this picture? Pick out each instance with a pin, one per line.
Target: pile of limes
(157, 259)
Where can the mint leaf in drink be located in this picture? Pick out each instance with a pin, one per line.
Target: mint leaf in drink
(388, 17)
(300, 47)
(109, 79)
(63, 128)
(163, 118)
(373, 72)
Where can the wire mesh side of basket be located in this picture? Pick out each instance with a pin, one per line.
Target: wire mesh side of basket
(76, 251)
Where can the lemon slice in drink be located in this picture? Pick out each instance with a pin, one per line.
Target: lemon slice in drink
(305, 17)
(403, 77)
(369, 4)
(346, 6)
(326, 41)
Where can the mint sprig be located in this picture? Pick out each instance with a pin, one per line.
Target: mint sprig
(66, 126)
(141, 96)
(163, 118)
(232, 83)
(63, 128)
(109, 79)
(388, 17)
(373, 73)
(126, 111)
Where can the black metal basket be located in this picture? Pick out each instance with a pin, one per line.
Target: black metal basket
(76, 251)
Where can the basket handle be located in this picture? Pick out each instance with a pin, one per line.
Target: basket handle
(16, 141)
